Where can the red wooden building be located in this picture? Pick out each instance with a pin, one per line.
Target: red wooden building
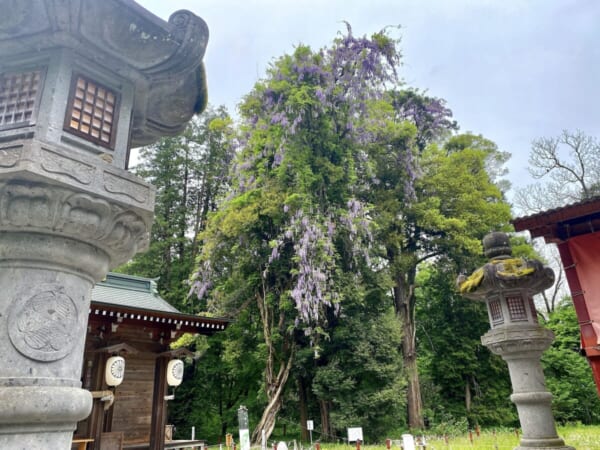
(128, 318)
(575, 229)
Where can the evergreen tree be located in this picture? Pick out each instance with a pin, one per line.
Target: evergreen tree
(190, 174)
(225, 375)
(455, 202)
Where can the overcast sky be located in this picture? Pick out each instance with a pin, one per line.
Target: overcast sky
(511, 70)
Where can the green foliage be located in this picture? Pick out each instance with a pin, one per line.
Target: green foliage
(568, 374)
(459, 204)
(455, 203)
(522, 248)
(345, 188)
(465, 381)
(294, 233)
(226, 375)
(189, 173)
(361, 378)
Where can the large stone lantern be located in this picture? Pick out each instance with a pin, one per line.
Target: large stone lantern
(81, 82)
(507, 286)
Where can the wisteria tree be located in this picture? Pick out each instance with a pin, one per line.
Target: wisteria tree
(295, 225)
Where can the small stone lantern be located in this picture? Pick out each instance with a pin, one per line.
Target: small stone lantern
(507, 286)
(81, 83)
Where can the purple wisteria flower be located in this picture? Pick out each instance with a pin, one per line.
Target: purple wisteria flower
(309, 100)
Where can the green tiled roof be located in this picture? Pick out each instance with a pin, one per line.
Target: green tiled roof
(130, 291)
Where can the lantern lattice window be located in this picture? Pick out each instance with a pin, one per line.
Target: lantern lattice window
(19, 95)
(496, 312)
(92, 112)
(533, 309)
(516, 308)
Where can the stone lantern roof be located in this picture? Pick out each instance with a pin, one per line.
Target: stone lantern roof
(504, 272)
(162, 60)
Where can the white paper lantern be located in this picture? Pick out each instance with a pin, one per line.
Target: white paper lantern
(175, 372)
(115, 370)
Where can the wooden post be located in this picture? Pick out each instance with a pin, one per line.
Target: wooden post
(159, 405)
(96, 418)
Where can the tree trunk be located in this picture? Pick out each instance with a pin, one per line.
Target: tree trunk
(183, 206)
(325, 423)
(404, 303)
(274, 384)
(467, 395)
(275, 397)
(303, 405)
(413, 395)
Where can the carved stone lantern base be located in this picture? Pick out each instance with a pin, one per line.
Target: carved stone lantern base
(521, 348)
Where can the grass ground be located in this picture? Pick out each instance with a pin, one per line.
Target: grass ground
(580, 437)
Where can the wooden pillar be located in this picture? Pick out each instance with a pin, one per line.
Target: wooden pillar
(96, 418)
(159, 404)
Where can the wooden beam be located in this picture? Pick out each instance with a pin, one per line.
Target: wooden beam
(118, 348)
(180, 352)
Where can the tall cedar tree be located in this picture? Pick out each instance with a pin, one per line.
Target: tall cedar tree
(454, 200)
(190, 173)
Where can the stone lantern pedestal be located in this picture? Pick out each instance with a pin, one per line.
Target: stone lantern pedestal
(81, 82)
(507, 286)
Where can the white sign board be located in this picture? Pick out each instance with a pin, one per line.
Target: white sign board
(408, 442)
(245, 439)
(355, 434)
(310, 425)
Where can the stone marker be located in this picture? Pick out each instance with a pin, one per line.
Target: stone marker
(81, 82)
(507, 286)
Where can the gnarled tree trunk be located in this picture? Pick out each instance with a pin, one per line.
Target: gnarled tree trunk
(274, 382)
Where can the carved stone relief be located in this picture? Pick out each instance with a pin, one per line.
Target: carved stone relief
(56, 163)
(118, 185)
(43, 323)
(119, 231)
(9, 156)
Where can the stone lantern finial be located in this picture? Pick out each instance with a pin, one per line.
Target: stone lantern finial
(496, 244)
(507, 286)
